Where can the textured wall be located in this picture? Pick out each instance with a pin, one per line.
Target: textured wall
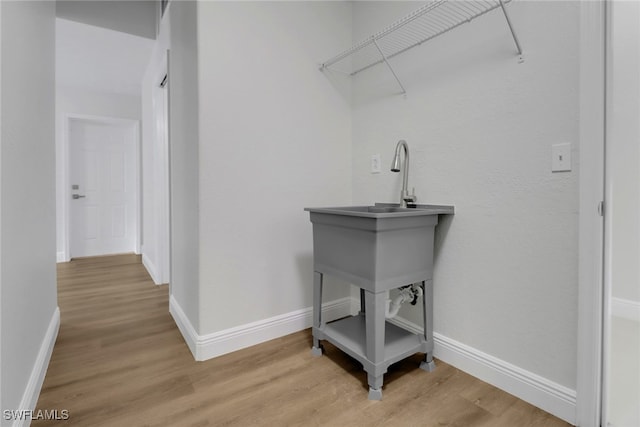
(27, 196)
(480, 128)
(274, 138)
(623, 152)
(184, 152)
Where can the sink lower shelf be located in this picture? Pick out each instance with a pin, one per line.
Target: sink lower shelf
(349, 335)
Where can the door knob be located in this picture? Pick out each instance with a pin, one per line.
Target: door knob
(77, 196)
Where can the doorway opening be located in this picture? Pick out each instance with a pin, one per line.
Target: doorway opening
(109, 77)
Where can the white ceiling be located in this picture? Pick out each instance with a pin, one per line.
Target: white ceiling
(99, 59)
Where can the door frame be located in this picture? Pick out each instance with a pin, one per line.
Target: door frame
(591, 268)
(162, 170)
(65, 163)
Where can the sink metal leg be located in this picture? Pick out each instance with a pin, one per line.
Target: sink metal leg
(375, 305)
(375, 393)
(427, 312)
(316, 350)
(428, 364)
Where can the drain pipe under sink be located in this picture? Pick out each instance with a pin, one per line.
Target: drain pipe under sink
(408, 293)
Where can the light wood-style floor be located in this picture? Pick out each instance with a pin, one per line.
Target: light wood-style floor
(120, 361)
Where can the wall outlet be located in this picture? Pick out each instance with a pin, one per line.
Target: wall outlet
(561, 157)
(375, 163)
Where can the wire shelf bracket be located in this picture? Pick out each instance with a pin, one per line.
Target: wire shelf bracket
(426, 23)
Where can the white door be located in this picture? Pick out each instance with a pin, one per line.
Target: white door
(102, 175)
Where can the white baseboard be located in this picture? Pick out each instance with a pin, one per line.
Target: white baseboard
(32, 392)
(151, 269)
(541, 392)
(60, 257)
(625, 308)
(207, 346)
(184, 325)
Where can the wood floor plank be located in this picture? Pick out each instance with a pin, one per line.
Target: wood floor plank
(119, 360)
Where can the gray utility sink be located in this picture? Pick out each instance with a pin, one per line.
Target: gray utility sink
(378, 247)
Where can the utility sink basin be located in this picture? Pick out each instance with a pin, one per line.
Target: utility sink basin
(377, 247)
(386, 209)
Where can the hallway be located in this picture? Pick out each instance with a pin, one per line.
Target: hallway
(120, 361)
(115, 338)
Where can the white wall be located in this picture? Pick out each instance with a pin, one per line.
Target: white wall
(480, 128)
(27, 225)
(274, 138)
(184, 167)
(99, 59)
(623, 152)
(94, 103)
(131, 16)
(77, 101)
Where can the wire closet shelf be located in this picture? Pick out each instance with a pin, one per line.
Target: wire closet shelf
(428, 22)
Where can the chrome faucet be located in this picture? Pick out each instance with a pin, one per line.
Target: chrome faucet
(405, 197)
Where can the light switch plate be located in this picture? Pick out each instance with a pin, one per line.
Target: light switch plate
(375, 163)
(561, 157)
